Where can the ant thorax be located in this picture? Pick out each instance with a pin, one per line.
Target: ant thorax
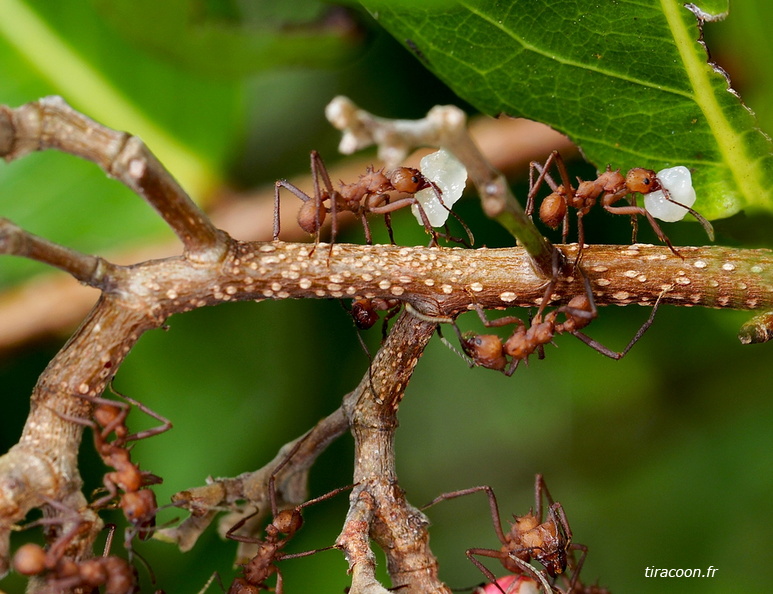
(449, 177)
(677, 192)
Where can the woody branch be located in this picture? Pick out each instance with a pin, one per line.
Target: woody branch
(216, 268)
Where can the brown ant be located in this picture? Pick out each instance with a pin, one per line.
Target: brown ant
(63, 573)
(369, 194)
(365, 313)
(609, 187)
(127, 481)
(489, 351)
(529, 537)
(283, 526)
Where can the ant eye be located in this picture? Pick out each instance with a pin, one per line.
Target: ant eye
(641, 180)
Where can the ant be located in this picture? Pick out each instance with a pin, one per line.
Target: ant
(283, 526)
(365, 313)
(64, 573)
(488, 350)
(138, 504)
(610, 187)
(549, 542)
(369, 194)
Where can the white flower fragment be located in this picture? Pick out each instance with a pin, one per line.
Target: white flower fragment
(678, 182)
(450, 176)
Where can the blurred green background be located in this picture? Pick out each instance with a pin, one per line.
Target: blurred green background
(662, 459)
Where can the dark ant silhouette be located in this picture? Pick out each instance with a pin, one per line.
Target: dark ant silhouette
(489, 351)
(369, 194)
(63, 573)
(365, 313)
(609, 187)
(283, 526)
(530, 538)
(126, 483)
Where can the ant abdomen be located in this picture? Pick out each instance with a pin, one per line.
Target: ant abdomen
(288, 521)
(553, 210)
(311, 215)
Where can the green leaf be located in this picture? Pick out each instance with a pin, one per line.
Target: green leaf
(629, 82)
(229, 38)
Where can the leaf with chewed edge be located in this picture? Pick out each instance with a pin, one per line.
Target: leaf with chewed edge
(629, 82)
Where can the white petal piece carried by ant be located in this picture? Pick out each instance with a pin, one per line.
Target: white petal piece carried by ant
(678, 182)
(450, 177)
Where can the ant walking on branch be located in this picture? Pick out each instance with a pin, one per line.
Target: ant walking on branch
(126, 483)
(371, 193)
(283, 526)
(530, 538)
(671, 197)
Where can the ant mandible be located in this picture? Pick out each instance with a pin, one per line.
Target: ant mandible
(549, 542)
(369, 194)
(283, 526)
(610, 186)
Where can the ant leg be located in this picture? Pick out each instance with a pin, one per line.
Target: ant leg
(529, 569)
(637, 210)
(544, 176)
(166, 424)
(238, 537)
(388, 223)
(707, 227)
(492, 501)
(482, 568)
(366, 227)
(318, 170)
(613, 354)
(576, 566)
(391, 312)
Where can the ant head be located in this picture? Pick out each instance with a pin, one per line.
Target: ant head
(106, 413)
(408, 180)
(288, 521)
(485, 350)
(139, 507)
(364, 314)
(642, 180)
(554, 560)
(311, 216)
(553, 209)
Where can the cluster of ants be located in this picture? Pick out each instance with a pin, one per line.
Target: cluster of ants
(374, 193)
(547, 542)
(126, 487)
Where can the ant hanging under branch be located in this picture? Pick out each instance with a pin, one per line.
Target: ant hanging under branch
(126, 484)
(283, 526)
(382, 193)
(668, 195)
(491, 352)
(530, 538)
